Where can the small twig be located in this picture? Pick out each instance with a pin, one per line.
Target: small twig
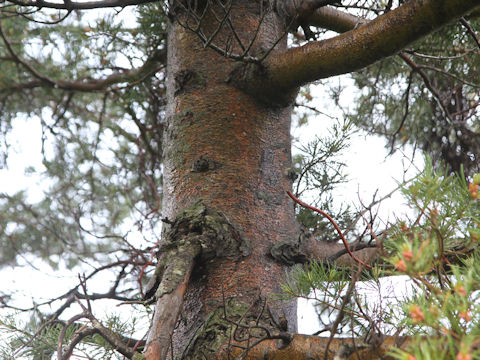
(470, 31)
(341, 313)
(427, 83)
(26, 65)
(405, 113)
(345, 243)
(61, 355)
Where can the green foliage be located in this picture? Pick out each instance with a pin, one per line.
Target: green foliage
(19, 340)
(101, 150)
(434, 105)
(436, 246)
(446, 305)
(447, 312)
(317, 276)
(319, 167)
(444, 217)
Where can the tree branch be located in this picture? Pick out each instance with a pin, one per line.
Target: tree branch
(323, 213)
(332, 19)
(150, 66)
(350, 51)
(310, 347)
(167, 310)
(88, 5)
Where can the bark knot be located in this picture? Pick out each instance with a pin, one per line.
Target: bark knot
(204, 164)
(198, 234)
(187, 78)
(254, 79)
(292, 252)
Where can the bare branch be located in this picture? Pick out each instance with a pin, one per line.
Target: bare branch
(341, 313)
(470, 31)
(428, 84)
(112, 338)
(88, 5)
(332, 19)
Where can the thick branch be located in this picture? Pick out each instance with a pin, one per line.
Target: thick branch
(333, 19)
(313, 347)
(353, 50)
(296, 11)
(307, 248)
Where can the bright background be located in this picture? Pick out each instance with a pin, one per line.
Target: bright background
(368, 171)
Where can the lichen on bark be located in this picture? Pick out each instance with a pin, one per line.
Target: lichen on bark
(197, 234)
(233, 324)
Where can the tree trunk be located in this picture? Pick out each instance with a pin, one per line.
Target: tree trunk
(232, 153)
(227, 167)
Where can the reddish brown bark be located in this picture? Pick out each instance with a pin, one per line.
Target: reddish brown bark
(232, 151)
(227, 143)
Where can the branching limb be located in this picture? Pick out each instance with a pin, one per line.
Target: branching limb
(151, 65)
(428, 84)
(84, 331)
(301, 203)
(353, 50)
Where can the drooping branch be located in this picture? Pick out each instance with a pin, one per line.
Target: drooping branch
(350, 51)
(150, 66)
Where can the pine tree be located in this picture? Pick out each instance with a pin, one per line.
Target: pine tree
(178, 124)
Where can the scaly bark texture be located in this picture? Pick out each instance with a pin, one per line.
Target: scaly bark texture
(233, 152)
(227, 147)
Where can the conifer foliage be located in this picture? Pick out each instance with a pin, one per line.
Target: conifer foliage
(165, 161)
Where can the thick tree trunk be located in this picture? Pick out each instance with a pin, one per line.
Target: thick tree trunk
(227, 166)
(232, 153)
